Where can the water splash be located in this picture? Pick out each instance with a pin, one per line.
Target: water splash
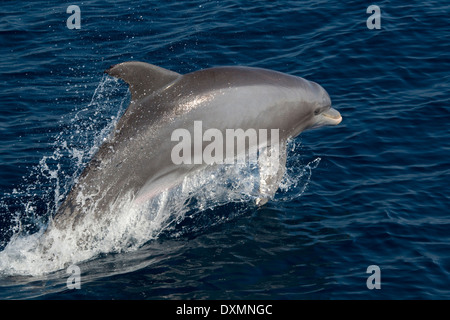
(204, 199)
(297, 176)
(29, 206)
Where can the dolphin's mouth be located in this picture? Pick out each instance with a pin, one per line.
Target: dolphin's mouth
(331, 117)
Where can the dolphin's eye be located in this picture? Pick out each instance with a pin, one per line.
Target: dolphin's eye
(317, 111)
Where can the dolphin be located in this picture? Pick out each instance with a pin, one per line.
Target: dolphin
(136, 159)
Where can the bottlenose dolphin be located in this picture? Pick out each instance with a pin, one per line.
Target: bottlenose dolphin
(136, 159)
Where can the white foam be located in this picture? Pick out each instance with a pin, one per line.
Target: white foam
(125, 226)
(128, 224)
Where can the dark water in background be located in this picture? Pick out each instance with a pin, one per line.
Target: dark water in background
(378, 196)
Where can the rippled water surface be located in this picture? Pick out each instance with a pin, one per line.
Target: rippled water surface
(371, 191)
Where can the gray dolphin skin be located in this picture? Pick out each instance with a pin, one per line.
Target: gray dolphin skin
(136, 159)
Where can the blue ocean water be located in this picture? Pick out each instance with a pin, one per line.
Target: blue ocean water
(371, 191)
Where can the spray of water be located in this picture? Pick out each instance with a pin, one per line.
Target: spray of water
(126, 226)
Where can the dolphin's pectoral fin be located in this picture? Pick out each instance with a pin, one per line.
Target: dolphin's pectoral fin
(272, 165)
(143, 78)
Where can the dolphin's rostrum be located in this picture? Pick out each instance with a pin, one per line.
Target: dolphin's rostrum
(136, 160)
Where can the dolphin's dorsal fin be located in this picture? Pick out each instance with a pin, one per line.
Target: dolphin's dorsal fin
(143, 78)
